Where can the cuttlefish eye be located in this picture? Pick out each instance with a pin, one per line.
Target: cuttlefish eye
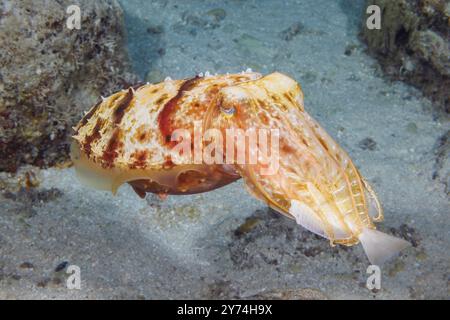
(228, 111)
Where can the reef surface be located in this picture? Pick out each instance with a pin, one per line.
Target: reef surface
(413, 45)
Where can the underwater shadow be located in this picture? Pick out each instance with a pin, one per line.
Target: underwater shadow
(354, 11)
(144, 43)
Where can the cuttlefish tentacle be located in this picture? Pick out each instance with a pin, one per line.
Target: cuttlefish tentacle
(332, 199)
(129, 138)
(336, 174)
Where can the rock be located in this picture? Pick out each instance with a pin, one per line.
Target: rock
(155, 30)
(350, 49)
(412, 128)
(217, 14)
(43, 283)
(26, 265)
(61, 266)
(247, 226)
(368, 144)
(50, 74)
(412, 44)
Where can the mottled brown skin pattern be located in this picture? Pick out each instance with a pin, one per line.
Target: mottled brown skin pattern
(112, 150)
(94, 136)
(121, 108)
(165, 121)
(140, 159)
(173, 112)
(90, 114)
(143, 134)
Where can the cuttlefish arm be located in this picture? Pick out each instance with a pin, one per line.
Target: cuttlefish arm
(315, 181)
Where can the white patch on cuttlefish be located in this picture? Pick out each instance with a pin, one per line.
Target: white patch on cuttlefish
(378, 246)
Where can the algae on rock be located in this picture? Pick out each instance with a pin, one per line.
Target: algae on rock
(413, 44)
(50, 74)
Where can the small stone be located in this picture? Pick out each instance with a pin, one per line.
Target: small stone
(215, 44)
(26, 265)
(47, 195)
(31, 181)
(217, 14)
(367, 144)
(43, 283)
(248, 225)
(155, 29)
(63, 265)
(421, 255)
(411, 127)
(193, 20)
(56, 282)
(161, 51)
(350, 49)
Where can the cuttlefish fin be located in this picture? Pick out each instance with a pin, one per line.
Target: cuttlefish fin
(373, 204)
(307, 218)
(310, 220)
(380, 247)
(90, 175)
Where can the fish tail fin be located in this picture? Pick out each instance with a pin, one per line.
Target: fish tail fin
(380, 247)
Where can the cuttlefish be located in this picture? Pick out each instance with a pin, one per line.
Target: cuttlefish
(170, 138)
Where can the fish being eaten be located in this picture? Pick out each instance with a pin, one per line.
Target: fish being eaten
(130, 137)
